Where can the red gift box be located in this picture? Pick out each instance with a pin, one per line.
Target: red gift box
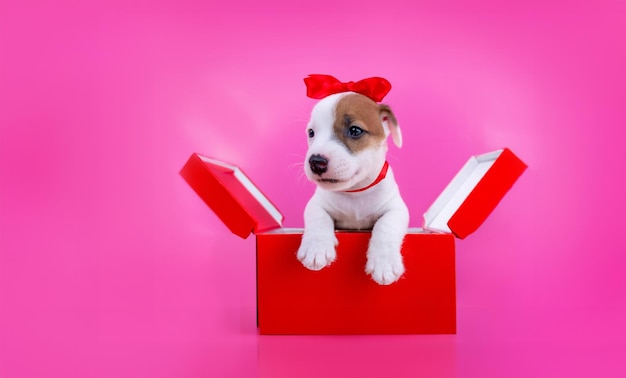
(341, 298)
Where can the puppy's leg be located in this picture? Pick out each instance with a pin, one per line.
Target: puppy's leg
(317, 249)
(384, 259)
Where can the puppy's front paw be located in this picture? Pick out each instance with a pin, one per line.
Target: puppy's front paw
(316, 254)
(385, 268)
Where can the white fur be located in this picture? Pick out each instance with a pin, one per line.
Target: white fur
(379, 208)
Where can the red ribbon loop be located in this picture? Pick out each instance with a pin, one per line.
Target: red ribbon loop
(320, 86)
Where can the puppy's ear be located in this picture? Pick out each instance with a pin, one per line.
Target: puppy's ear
(390, 123)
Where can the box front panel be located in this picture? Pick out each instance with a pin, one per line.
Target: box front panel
(342, 299)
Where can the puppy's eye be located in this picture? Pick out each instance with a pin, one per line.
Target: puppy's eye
(311, 133)
(355, 132)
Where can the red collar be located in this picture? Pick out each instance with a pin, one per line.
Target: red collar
(381, 176)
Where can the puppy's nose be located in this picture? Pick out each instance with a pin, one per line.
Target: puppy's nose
(318, 163)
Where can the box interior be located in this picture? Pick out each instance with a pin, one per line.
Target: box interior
(288, 231)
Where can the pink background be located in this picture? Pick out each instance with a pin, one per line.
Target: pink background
(110, 266)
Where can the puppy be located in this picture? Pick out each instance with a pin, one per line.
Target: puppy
(347, 143)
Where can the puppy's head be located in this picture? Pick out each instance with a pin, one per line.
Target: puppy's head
(347, 137)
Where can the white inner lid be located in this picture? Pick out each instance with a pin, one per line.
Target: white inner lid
(249, 185)
(437, 216)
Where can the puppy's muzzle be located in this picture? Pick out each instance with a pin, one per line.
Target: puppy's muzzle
(318, 163)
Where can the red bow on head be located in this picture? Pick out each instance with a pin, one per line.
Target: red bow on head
(320, 86)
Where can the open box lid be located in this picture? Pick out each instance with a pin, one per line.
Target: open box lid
(240, 205)
(474, 193)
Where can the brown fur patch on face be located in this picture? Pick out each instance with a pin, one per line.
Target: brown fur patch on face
(360, 111)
